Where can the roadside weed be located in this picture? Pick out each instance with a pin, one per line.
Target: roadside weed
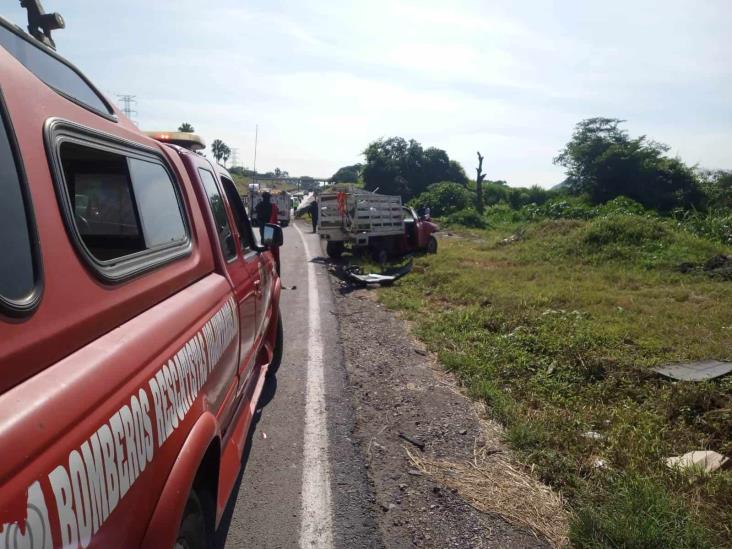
(556, 331)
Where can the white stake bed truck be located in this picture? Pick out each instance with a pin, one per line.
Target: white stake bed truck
(374, 222)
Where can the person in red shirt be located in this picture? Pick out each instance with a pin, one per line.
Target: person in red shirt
(266, 212)
(275, 215)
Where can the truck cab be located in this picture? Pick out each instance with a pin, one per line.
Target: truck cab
(138, 319)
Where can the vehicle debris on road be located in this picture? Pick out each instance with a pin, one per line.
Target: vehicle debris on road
(354, 274)
(702, 370)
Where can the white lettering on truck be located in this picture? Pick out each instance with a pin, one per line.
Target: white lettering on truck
(98, 474)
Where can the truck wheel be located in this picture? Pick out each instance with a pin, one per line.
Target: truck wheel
(432, 245)
(334, 249)
(194, 532)
(277, 352)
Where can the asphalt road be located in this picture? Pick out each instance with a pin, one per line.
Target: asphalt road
(301, 486)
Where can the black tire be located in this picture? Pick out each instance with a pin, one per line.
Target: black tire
(334, 249)
(279, 346)
(285, 223)
(195, 530)
(432, 245)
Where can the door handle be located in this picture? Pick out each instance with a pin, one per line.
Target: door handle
(257, 287)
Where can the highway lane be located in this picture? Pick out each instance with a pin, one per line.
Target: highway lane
(303, 483)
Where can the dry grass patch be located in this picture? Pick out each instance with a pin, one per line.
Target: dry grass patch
(491, 483)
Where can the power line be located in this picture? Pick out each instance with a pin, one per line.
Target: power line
(127, 102)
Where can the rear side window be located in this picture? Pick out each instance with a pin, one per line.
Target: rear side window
(161, 219)
(240, 215)
(52, 70)
(226, 239)
(124, 207)
(19, 273)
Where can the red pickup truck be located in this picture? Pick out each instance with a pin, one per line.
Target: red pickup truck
(138, 319)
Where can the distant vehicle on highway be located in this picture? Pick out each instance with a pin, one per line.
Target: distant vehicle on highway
(138, 317)
(280, 198)
(374, 222)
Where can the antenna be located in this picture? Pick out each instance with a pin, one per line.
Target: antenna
(256, 138)
(127, 102)
(40, 23)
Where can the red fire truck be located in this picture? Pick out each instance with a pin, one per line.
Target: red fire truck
(138, 317)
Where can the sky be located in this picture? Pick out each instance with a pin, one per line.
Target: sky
(322, 79)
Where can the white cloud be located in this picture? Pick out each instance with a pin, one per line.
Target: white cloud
(323, 79)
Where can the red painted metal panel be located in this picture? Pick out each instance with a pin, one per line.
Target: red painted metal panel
(76, 308)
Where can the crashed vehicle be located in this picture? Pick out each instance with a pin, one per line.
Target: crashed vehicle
(138, 317)
(374, 222)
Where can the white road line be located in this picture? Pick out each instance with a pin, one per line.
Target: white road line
(316, 529)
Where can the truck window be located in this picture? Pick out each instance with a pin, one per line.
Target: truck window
(55, 72)
(219, 213)
(121, 205)
(18, 274)
(161, 219)
(240, 216)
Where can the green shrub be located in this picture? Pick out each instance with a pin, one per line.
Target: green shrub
(644, 241)
(625, 230)
(715, 224)
(445, 198)
(535, 195)
(494, 193)
(503, 213)
(467, 218)
(578, 207)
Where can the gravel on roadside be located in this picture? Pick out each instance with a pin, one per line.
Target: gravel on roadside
(404, 403)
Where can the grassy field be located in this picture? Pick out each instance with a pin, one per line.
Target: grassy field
(242, 183)
(557, 330)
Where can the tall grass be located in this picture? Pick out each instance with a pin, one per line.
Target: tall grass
(556, 332)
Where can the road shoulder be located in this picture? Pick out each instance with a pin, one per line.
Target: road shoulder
(401, 401)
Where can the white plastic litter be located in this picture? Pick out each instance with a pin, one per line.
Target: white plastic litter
(704, 460)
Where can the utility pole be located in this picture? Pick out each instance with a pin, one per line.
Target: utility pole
(256, 138)
(127, 102)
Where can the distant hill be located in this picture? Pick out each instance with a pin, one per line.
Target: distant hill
(560, 186)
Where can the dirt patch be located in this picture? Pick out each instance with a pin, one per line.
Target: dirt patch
(441, 475)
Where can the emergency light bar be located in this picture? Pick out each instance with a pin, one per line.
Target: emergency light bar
(186, 140)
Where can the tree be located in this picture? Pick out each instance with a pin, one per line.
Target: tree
(220, 151)
(604, 162)
(348, 174)
(717, 187)
(455, 172)
(398, 166)
(186, 128)
(480, 176)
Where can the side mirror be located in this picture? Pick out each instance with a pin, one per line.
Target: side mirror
(272, 235)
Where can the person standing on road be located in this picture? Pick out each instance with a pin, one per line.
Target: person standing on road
(314, 212)
(274, 217)
(264, 212)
